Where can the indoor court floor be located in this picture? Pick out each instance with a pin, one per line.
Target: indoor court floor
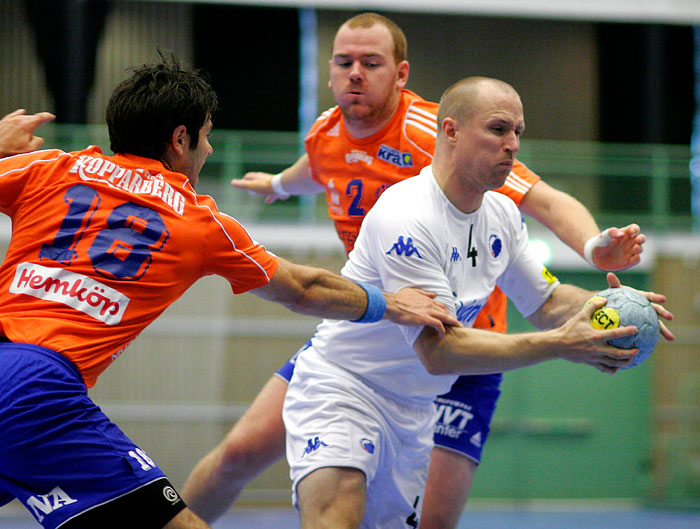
(476, 518)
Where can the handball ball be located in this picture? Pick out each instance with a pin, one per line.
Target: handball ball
(629, 307)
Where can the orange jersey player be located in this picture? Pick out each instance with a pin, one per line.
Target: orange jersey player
(354, 172)
(116, 248)
(100, 246)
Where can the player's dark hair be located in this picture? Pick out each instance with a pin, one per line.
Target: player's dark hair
(158, 97)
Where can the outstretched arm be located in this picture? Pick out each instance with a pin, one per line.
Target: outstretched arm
(17, 132)
(570, 337)
(318, 292)
(294, 180)
(614, 249)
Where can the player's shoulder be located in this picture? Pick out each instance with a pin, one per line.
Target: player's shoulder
(328, 122)
(405, 201)
(419, 120)
(501, 205)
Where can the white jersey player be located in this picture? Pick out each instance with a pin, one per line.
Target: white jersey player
(359, 410)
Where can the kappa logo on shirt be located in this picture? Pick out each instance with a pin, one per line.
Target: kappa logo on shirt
(407, 248)
(395, 157)
(312, 445)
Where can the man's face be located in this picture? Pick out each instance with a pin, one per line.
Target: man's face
(193, 159)
(489, 139)
(364, 78)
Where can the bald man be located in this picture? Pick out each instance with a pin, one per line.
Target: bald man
(359, 411)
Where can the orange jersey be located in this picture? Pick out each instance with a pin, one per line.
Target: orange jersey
(101, 245)
(355, 172)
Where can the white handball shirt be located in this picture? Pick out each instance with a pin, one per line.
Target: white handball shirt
(414, 236)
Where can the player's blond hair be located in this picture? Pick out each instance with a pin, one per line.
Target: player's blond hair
(367, 20)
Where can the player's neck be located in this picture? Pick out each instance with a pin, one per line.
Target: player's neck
(464, 196)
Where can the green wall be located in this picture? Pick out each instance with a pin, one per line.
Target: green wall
(564, 430)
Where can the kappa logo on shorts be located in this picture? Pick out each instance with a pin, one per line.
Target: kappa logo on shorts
(312, 445)
(44, 504)
(367, 446)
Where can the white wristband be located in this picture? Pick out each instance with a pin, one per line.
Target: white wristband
(277, 187)
(597, 241)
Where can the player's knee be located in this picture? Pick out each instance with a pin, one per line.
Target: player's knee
(245, 454)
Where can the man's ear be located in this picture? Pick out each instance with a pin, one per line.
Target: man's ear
(449, 128)
(402, 74)
(180, 140)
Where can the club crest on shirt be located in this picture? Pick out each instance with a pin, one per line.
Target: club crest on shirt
(404, 248)
(495, 245)
(395, 157)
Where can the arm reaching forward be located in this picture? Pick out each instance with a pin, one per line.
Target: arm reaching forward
(318, 292)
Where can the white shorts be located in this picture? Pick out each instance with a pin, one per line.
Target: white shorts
(333, 419)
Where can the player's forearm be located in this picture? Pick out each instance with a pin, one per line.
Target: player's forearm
(314, 292)
(475, 351)
(297, 180)
(564, 302)
(563, 214)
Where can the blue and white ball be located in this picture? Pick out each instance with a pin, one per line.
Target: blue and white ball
(629, 307)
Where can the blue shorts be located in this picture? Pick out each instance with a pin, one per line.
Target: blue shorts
(465, 412)
(59, 454)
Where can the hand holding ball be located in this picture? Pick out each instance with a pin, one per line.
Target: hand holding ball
(628, 307)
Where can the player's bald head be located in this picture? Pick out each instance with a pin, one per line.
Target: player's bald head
(466, 97)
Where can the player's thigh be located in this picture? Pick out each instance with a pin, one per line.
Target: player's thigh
(186, 519)
(332, 497)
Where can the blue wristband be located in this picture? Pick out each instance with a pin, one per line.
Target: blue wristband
(376, 304)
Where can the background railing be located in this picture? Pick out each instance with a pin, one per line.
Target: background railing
(620, 183)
